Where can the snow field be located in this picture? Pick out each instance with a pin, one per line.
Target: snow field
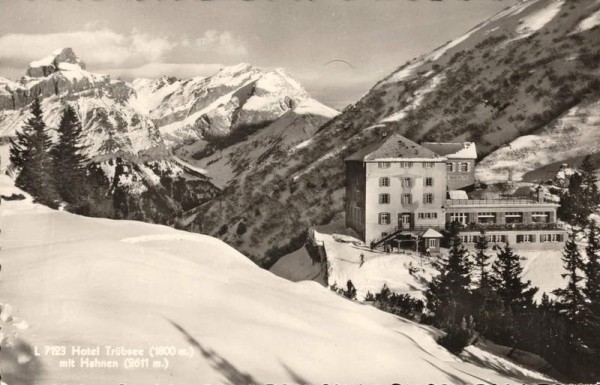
(94, 282)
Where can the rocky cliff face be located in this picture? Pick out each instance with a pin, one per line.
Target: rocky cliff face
(115, 133)
(59, 60)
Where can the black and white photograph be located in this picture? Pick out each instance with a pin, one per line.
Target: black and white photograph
(299, 192)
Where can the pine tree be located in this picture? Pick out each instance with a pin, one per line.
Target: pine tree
(571, 300)
(592, 269)
(591, 196)
(31, 151)
(588, 173)
(69, 160)
(20, 147)
(482, 260)
(506, 280)
(448, 293)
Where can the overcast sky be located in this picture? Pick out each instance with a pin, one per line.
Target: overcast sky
(189, 38)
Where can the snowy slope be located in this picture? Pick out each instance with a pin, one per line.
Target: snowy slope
(149, 93)
(575, 134)
(82, 282)
(542, 267)
(289, 132)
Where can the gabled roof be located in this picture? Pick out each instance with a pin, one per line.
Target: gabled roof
(431, 233)
(464, 150)
(394, 147)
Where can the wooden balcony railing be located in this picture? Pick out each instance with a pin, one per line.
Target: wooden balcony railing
(490, 202)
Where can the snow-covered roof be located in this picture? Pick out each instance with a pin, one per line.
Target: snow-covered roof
(452, 150)
(431, 233)
(458, 194)
(395, 148)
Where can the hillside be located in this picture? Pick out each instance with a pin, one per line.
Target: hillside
(509, 76)
(537, 157)
(132, 286)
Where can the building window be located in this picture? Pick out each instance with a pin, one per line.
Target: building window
(406, 199)
(497, 238)
(551, 238)
(405, 182)
(464, 167)
(486, 218)
(384, 218)
(525, 238)
(428, 198)
(432, 243)
(469, 238)
(458, 217)
(384, 164)
(384, 182)
(427, 215)
(405, 164)
(449, 167)
(428, 164)
(514, 217)
(428, 182)
(384, 198)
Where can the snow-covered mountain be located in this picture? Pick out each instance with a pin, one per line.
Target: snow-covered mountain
(516, 74)
(86, 284)
(235, 98)
(111, 126)
(143, 124)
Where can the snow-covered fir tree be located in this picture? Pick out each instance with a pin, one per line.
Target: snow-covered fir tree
(506, 280)
(31, 153)
(69, 159)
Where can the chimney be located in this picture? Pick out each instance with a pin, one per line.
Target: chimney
(540, 194)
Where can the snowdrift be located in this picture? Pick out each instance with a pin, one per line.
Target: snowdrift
(72, 285)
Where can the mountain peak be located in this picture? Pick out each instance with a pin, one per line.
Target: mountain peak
(63, 58)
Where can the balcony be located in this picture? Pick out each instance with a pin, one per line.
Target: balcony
(507, 202)
(513, 226)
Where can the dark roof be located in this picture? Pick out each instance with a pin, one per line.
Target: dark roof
(459, 150)
(396, 146)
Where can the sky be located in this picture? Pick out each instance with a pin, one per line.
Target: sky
(366, 40)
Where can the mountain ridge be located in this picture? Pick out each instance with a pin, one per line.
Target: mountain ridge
(141, 124)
